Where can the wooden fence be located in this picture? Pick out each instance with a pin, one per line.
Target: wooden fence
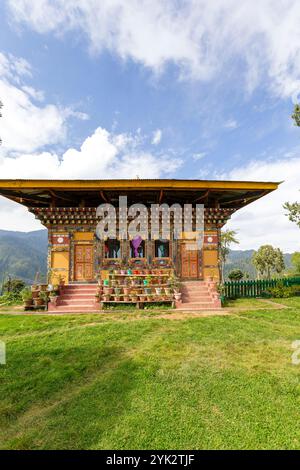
(238, 289)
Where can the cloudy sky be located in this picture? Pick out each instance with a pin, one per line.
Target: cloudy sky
(177, 89)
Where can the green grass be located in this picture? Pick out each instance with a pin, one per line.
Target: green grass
(137, 381)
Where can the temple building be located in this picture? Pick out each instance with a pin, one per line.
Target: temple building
(67, 208)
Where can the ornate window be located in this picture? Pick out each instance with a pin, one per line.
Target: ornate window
(112, 249)
(140, 250)
(162, 248)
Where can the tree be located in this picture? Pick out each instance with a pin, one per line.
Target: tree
(236, 275)
(13, 285)
(295, 259)
(293, 208)
(227, 238)
(293, 212)
(268, 260)
(296, 115)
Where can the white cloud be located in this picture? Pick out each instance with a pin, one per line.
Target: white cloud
(27, 126)
(199, 156)
(102, 155)
(157, 135)
(199, 36)
(231, 124)
(263, 221)
(13, 216)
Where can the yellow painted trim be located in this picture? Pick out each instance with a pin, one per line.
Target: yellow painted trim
(82, 185)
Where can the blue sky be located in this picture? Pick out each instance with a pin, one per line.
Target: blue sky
(155, 89)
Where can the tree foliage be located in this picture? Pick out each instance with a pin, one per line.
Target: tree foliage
(228, 237)
(236, 275)
(295, 259)
(268, 261)
(13, 285)
(293, 214)
(296, 115)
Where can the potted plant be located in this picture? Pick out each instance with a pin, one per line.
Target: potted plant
(106, 297)
(177, 295)
(134, 296)
(44, 297)
(148, 290)
(168, 290)
(158, 290)
(117, 290)
(54, 297)
(26, 295)
(61, 280)
(39, 301)
(126, 290)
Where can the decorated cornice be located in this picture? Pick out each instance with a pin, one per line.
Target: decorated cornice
(86, 216)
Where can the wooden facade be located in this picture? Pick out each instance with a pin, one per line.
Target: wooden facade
(68, 210)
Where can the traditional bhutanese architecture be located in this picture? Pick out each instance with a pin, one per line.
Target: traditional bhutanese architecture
(67, 208)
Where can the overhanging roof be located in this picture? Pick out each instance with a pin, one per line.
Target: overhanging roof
(70, 193)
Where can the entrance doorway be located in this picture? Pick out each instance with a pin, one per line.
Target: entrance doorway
(83, 265)
(189, 260)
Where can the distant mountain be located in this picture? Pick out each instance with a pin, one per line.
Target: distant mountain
(22, 254)
(242, 259)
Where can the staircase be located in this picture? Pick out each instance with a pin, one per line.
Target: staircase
(199, 295)
(76, 298)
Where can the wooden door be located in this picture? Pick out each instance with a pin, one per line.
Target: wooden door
(83, 263)
(189, 261)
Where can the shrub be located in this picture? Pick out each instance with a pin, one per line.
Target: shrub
(281, 291)
(26, 294)
(10, 298)
(236, 275)
(13, 285)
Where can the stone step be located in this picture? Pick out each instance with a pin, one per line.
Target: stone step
(206, 298)
(78, 296)
(80, 288)
(84, 302)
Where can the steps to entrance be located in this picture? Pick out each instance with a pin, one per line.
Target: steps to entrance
(76, 298)
(199, 295)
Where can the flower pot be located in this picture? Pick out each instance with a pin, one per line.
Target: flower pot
(123, 272)
(158, 290)
(108, 290)
(168, 291)
(53, 299)
(106, 297)
(134, 298)
(126, 290)
(177, 295)
(148, 290)
(117, 291)
(117, 298)
(129, 271)
(126, 298)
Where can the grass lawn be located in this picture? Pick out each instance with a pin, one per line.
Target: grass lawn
(137, 381)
